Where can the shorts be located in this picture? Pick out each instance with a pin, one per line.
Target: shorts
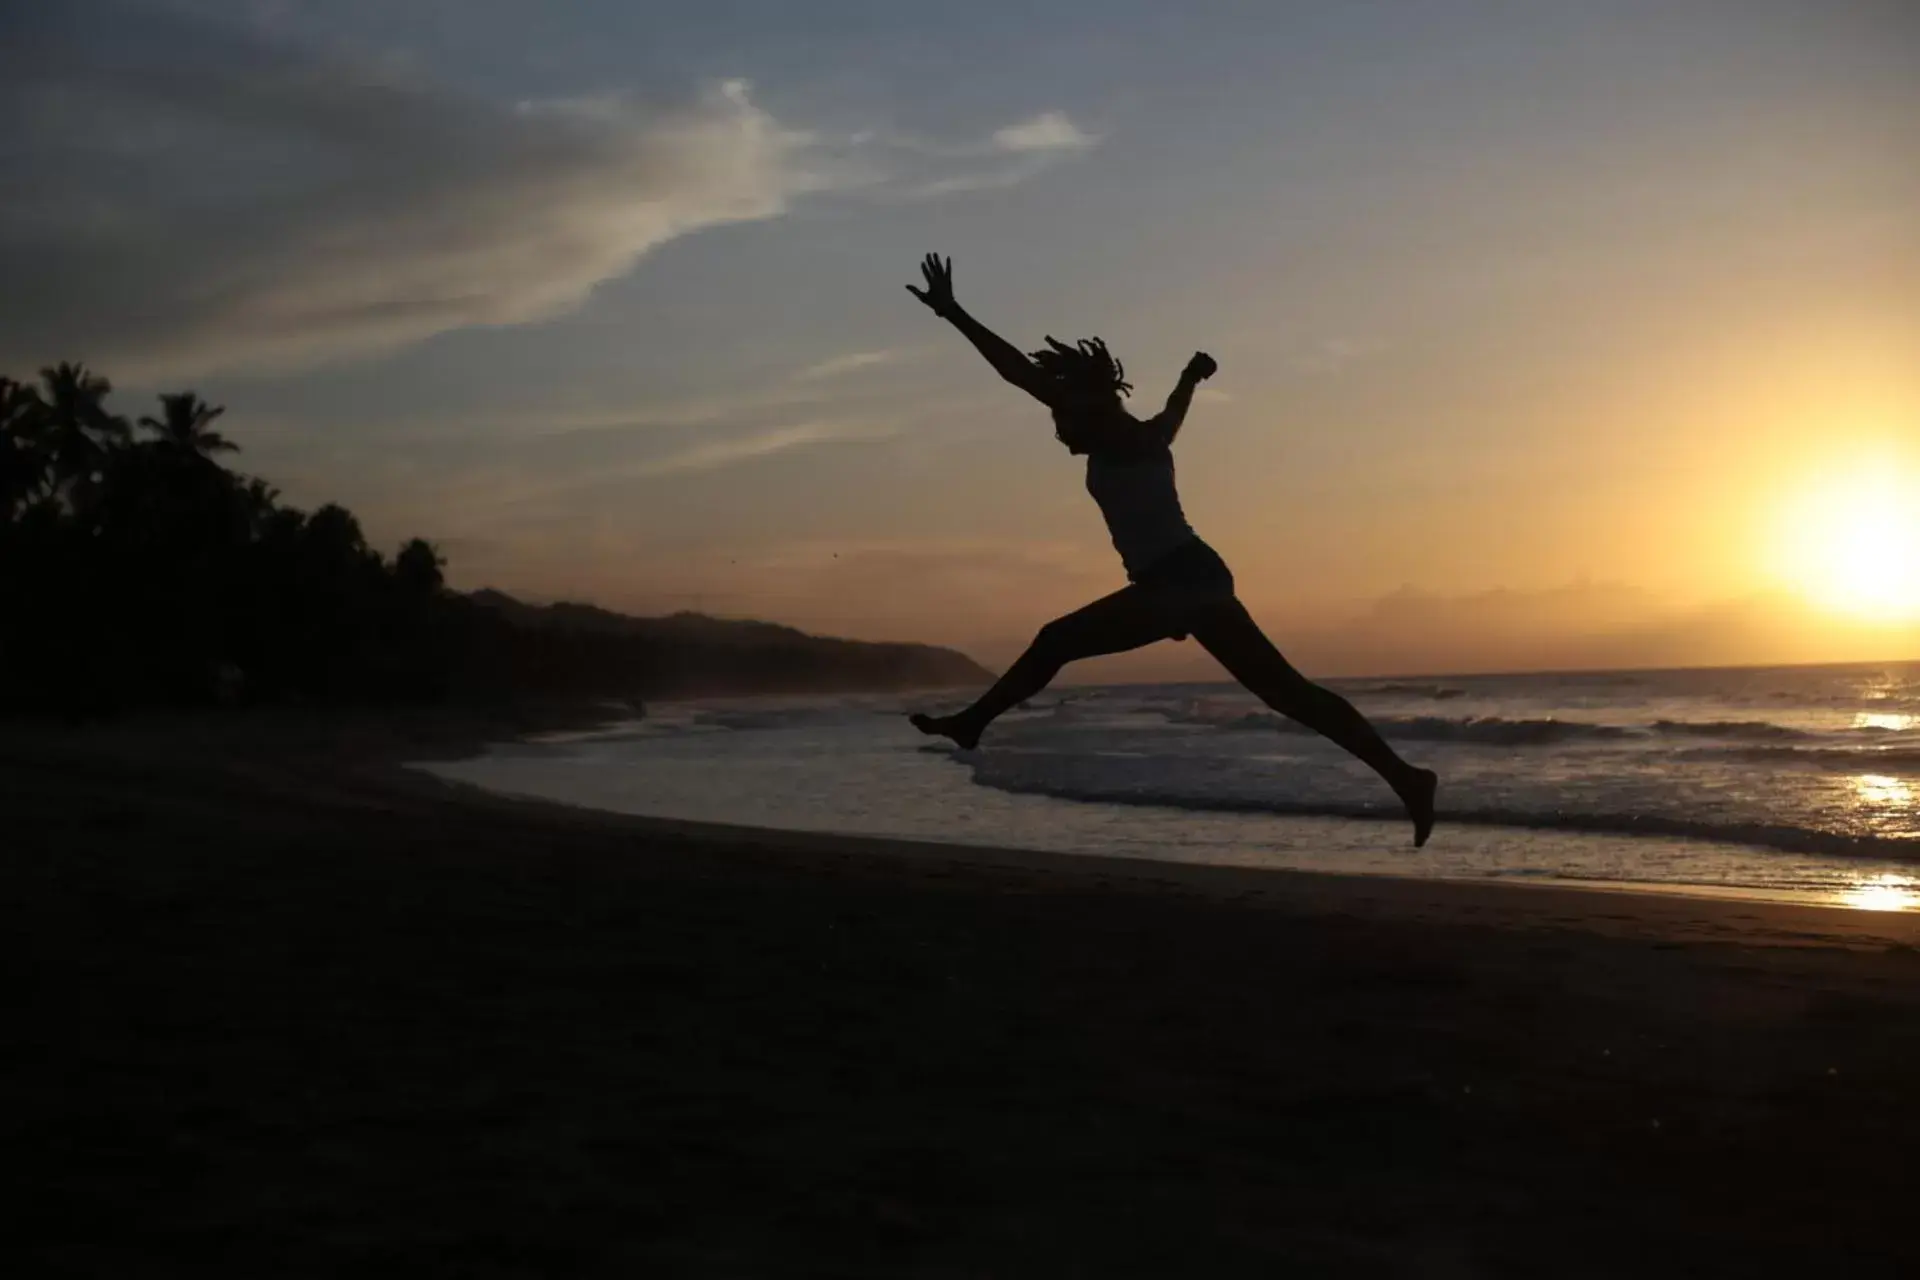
(1189, 577)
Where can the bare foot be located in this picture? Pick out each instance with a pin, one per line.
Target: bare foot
(964, 735)
(1418, 797)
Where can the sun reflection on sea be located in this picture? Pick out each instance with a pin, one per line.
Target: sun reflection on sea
(1878, 791)
(1892, 722)
(1881, 805)
(1883, 893)
(1883, 796)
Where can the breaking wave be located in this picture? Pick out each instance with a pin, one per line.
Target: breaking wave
(1886, 760)
(1406, 689)
(1752, 730)
(1487, 730)
(1145, 784)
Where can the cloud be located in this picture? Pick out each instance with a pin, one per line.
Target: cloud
(1327, 357)
(712, 454)
(186, 196)
(1048, 131)
(492, 485)
(1015, 153)
(840, 366)
(411, 211)
(808, 391)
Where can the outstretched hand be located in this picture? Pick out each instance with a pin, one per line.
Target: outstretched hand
(938, 273)
(1201, 367)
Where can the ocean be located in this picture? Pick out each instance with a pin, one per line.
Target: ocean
(1797, 783)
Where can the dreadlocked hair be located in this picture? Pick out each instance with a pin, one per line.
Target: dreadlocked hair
(1087, 362)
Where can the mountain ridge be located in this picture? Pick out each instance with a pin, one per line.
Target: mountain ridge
(686, 653)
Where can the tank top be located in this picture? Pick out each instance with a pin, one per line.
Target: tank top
(1136, 496)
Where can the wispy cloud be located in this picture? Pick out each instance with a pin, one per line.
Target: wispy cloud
(1011, 155)
(840, 366)
(825, 386)
(1328, 357)
(508, 488)
(1048, 131)
(712, 454)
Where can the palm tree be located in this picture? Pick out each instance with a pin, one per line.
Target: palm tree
(79, 432)
(23, 460)
(257, 500)
(185, 424)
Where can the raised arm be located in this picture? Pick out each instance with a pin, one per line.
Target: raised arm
(1007, 360)
(1166, 424)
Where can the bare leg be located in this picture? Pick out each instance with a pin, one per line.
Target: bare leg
(1127, 619)
(1232, 636)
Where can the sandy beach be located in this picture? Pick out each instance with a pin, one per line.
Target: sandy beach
(285, 1008)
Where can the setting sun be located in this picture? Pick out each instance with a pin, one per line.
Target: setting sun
(1853, 544)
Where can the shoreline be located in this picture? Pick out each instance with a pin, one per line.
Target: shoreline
(1327, 889)
(583, 721)
(391, 754)
(1656, 910)
(294, 1009)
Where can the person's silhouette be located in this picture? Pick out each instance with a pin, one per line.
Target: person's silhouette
(1177, 585)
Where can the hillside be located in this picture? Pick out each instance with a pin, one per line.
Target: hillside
(582, 648)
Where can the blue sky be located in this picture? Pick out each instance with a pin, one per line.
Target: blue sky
(607, 299)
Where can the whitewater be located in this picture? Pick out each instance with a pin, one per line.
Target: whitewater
(1800, 783)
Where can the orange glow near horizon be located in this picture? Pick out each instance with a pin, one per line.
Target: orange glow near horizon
(1851, 543)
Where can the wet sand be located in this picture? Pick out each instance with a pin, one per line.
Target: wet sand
(287, 1009)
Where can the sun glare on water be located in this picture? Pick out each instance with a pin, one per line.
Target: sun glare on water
(1852, 545)
(1883, 893)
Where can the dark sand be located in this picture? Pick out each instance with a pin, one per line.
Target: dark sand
(282, 1009)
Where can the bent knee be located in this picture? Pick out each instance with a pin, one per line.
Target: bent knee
(1054, 640)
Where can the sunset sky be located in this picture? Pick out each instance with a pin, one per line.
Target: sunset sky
(1549, 334)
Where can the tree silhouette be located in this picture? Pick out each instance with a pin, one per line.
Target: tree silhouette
(143, 572)
(23, 463)
(78, 432)
(418, 568)
(185, 423)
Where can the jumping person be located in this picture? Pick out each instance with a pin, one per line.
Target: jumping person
(1176, 584)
